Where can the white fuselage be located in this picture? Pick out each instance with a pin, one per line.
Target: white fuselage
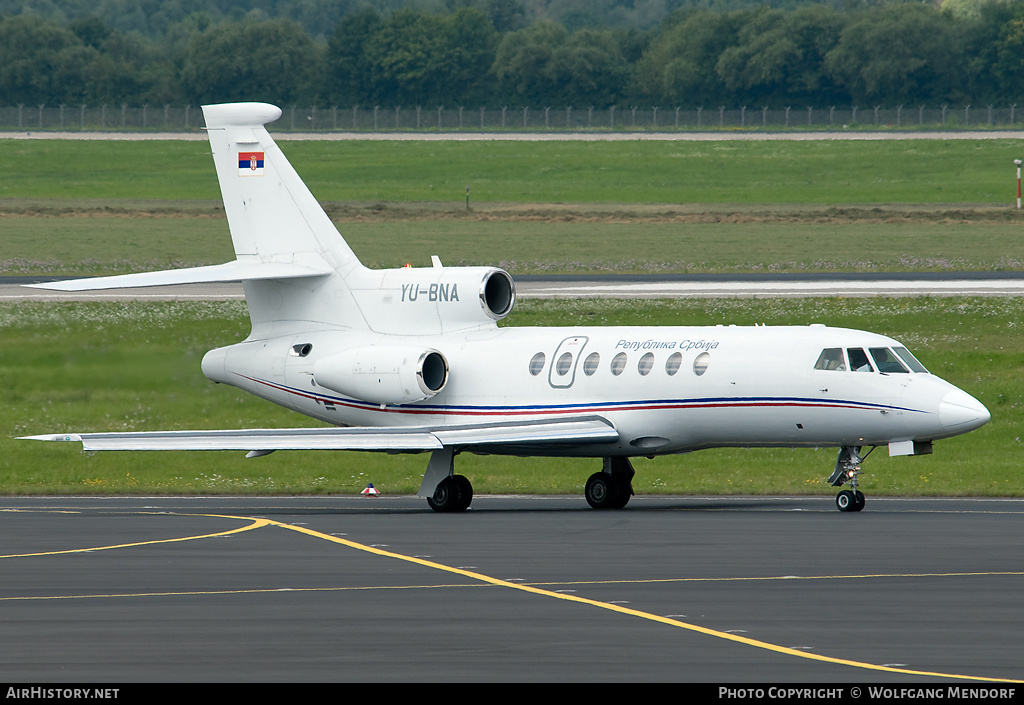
(665, 389)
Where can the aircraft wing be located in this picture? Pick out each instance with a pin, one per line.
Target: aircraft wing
(589, 429)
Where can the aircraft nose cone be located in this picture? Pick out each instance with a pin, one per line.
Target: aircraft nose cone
(960, 412)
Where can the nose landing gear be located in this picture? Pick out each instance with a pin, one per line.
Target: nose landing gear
(846, 472)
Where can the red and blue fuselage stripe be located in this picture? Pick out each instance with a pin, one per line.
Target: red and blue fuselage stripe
(603, 407)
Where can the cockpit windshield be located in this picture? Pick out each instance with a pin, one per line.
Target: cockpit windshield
(896, 360)
(909, 358)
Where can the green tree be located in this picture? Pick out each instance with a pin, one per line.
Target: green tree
(274, 61)
(899, 54)
(780, 58)
(522, 65)
(679, 67)
(418, 58)
(349, 68)
(40, 62)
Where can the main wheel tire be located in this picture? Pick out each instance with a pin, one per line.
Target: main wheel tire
(602, 492)
(623, 491)
(465, 493)
(451, 495)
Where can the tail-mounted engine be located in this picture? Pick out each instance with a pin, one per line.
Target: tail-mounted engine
(423, 300)
(384, 374)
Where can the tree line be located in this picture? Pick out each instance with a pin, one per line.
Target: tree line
(486, 53)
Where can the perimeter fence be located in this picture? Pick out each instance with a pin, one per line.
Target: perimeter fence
(518, 119)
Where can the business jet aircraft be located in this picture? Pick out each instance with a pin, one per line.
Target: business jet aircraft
(412, 359)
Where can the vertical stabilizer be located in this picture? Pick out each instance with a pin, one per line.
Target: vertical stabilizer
(271, 213)
(274, 219)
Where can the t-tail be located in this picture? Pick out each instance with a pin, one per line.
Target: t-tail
(297, 271)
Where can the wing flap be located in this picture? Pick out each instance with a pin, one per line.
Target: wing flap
(421, 438)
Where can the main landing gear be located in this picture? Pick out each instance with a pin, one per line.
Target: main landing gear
(612, 487)
(445, 491)
(847, 470)
(453, 494)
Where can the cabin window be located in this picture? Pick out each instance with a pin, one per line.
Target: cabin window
(618, 364)
(646, 363)
(591, 363)
(831, 359)
(537, 364)
(564, 364)
(672, 364)
(859, 360)
(700, 365)
(886, 360)
(909, 358)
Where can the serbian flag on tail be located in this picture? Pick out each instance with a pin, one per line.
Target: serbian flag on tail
(250, 163)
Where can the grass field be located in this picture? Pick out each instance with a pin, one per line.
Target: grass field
(91, 208)
(814, 172)
(568, 207)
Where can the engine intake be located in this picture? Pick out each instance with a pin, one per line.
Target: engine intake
(497, 294)
(384, 374)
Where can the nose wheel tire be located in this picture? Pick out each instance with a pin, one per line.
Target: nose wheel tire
(850, 501)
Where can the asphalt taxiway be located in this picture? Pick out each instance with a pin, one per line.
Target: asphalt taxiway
(517, 589)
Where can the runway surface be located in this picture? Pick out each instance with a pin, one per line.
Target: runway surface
(517, 589)
(628, 286)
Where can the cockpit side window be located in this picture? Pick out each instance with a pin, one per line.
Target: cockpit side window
(886, 361)
(859, 360)
(909, 358)
(831, 359)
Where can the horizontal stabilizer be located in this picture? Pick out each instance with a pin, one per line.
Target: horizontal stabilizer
(420, 438)
(230, 272)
